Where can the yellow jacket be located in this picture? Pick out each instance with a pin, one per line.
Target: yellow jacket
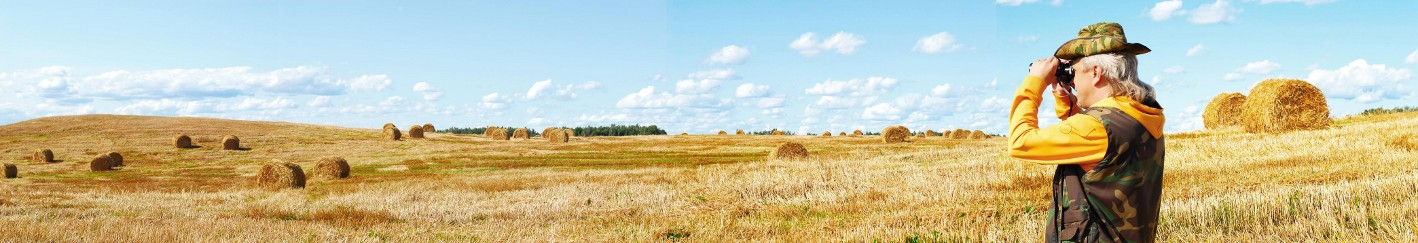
(1077, 139)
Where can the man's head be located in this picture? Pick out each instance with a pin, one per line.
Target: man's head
(1104, 64)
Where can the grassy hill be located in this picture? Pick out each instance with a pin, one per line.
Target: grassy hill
(1348, 183)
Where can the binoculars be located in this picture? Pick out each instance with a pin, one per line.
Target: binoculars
(1064, 73)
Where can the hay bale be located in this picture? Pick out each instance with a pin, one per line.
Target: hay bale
(487, 132)
(101, 163)
(856, 133)
(499, 134)
(279, 174)
(182, 141)
(331, 167)
(42, 156)
(521, 133)
(843, 134)
(416, 131)
(739, 132)
(930, 133)
(230, 142)
(558, 135)
(1279, 105)
(960, 134)
(115, 158)
(722, 132)
(776, 132)
(826, 133)
(11, 171)
(391, 132)
(894, 134)
(788, 151)
(1224, 110)
(977, 134)
(428, 128)
(684, 134)
(546, 132)
(920, 135)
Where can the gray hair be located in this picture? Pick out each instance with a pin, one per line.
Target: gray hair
(1120, 71)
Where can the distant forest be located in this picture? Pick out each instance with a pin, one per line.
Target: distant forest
(586, 131)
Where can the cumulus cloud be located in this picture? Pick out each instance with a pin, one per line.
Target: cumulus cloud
(1196, 50)
(750, 90)
(1362, 82)
(257, 103)
(695, 87)
(165, 107)
(54, 83)
(1174, 70)
(1412, 58)
(843, 43)
(429, 92)
(546, 88)
(1306, 2)
(1164, 10)
(647, 98)
(937, 43)
(943, 90)
(1220, 11)
(1261, 67)
(1014, 2)
(495, 101)
(855, 87)
(731, 54)
(1231, 77)
(319, 101)
(720, 74)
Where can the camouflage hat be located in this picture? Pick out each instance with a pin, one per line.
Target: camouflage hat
(1099, 38)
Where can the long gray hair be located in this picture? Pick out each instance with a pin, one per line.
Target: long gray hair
(1120, 71)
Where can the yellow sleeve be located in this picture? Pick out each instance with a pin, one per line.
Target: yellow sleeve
(1076, 140)
(1064, 106)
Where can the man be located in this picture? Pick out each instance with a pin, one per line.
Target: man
(1108, 149)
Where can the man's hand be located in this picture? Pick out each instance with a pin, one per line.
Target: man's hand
(1044, 69)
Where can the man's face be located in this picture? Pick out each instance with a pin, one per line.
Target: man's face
(1083, 83)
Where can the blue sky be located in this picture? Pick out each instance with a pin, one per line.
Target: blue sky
(687, 66)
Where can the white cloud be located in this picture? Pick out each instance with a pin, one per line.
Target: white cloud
(494, 101)
(942, 90)
(538, 88)
(870, 87)
(55, 84)
(771, 102)
(1164, 10)
(750, 90)
(882, 111)
(546, 88)
(720, 74)
(1261, 67)
(731, 54)
(1412, 58)
(1196, 50)
(994, 83)
(429, 92)
(1174, 70)
(319, 101)
(256, 103)
(1362, 82)
(937, 43)
(393, 101)
(647, 98)
(843, 43)
(1306, 2)
(1220, 11)
(1231, 77)
(1188, 120)
(693, 87)
(164, 107)
(1014, 2)
(368, 83)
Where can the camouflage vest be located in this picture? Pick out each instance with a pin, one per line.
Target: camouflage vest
(1122, 193)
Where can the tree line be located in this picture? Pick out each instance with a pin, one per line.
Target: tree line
(585, 131)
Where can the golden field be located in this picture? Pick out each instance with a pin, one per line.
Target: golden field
(1352, 182)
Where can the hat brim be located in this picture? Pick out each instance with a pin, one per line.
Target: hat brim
(1082, 47)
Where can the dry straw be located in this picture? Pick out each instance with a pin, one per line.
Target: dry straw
(895, 134)
(499, 134)
(428, 128)
(722, 132)
(391, 132)
(960, 134)
(520, 133)
(279, 174)
(11, 171)
(788, 151)
(182, 141)
(115, 159)
(487, 132)
(546, 133)
(856, 133)
(331, 167)
(826, 133)
(977, 134)
(416, 131)
(739, 132)
(101, 163)
(1279, 105)
(777, 132)
(930, 133)
(230, 142)
(842, 134)
(1223, 111)
(558, 135)
(43, 156)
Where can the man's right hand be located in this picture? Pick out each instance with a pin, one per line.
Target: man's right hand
(1044, 69)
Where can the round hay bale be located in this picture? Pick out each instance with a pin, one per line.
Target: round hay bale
(487, 132)
(546, 132)
(115, 159)
(558, 135)
(101, 163)
(920, 135)
(43, 156)
(739, 132)
(930, 133)
(776, 132)
(279, 174)
(521, 133)
(856, 133)
(1279, 105)
(182, 141)
(331, 167)
(1224, 110)
(428, 128)
(894, 134)
(826, 133)
(789, 151)
(960, 134)
(499, 134)
(230, 142)
(391, 132)
(722, 132)
(977, 134)
(11, 171)
(842, 134)
(684, 134)
(416, 131)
